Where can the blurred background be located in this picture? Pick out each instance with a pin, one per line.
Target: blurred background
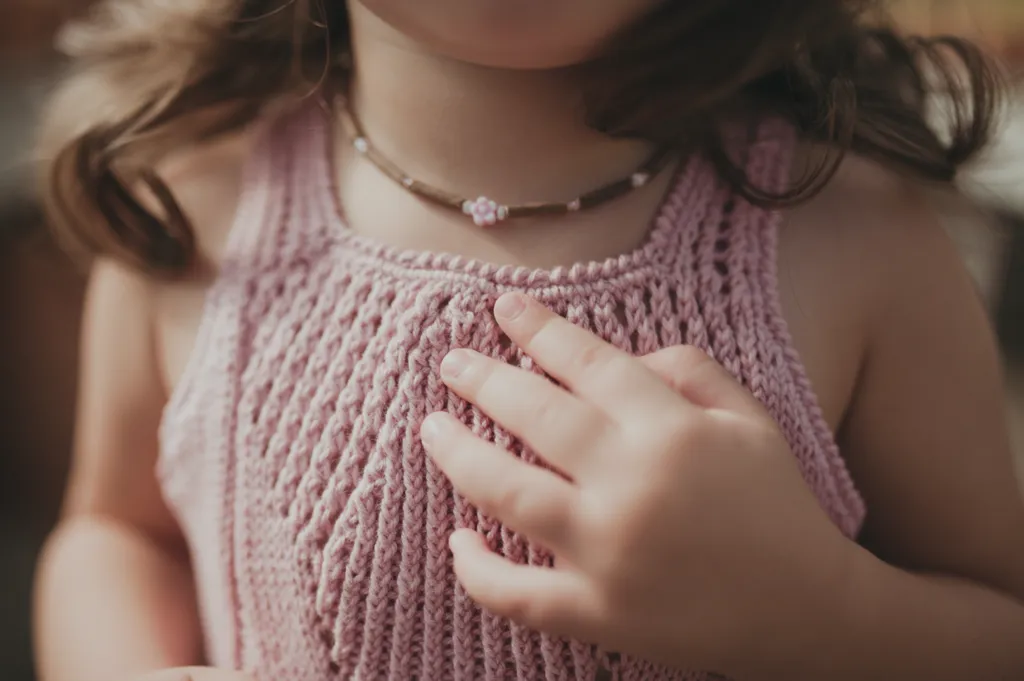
(40, 293)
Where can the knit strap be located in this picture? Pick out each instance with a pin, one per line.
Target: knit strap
(278, 221)
(770, 166)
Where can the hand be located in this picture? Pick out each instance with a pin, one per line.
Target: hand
(195, 674)
(682, 529)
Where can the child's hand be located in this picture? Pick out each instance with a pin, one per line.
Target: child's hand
(683, 530)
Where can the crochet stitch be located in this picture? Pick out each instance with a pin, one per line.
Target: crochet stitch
(290, 449)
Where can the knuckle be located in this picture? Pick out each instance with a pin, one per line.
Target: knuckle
(538, 335)
(511, 500)
(589, 356)
(542, 512)
(526, 608)
(479, 378)
(517, 606)
(619, 528)
(610, 367)
(686, 358)
(453, 452)
(544, 413)
(528, 509)
(539, 613)
(683, 434)
(489, 505)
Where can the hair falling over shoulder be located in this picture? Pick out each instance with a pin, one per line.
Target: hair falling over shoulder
(148, 76)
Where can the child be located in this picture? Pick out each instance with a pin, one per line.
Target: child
(283, 199)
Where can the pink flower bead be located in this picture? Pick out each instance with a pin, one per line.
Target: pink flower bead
(484, 211)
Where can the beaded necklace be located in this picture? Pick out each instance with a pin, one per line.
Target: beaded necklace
(485, 211)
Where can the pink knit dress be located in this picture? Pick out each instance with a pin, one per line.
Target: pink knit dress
(290, 450)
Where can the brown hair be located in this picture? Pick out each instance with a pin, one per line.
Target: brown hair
(151, 76)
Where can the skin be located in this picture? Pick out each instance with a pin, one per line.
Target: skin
(526, 34)
(777, 591)
(882, 312)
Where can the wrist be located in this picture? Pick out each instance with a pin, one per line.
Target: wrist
(832, 649)
(809, 638)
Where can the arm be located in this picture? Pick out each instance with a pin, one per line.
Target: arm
(941, 595)
(114, 590)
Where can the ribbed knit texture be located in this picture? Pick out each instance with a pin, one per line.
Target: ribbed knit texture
(290, 451)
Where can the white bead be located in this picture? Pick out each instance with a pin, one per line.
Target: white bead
(639, 179)
(467, 207)
(574, 205)
(361, 145)
(408, 182)
(502, 212)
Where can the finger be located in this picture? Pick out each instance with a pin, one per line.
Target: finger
(554, 423)
(700, 379)
(526, 498)
(596, 371)
(545, 599)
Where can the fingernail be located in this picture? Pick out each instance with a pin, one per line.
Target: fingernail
(455, 364)
(431, 429)
(458, 540)
(510, 306)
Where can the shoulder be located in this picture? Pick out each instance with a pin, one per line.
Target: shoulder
(923, 433)
(207, 181)
(864, 263)
(878, 233)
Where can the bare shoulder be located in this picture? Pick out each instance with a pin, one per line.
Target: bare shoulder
(207, 182)
(134, 329)
(849, 259)
(923, 428)
(874, 230)
(924, 433)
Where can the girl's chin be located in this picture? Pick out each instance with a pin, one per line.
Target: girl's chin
(515, 34)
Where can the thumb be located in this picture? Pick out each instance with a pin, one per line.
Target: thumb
(196, 674)
(701, 380)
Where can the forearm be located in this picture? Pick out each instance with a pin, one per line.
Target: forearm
(111, 603)
(894, 625)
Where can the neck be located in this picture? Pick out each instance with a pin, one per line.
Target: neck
(517, 135)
